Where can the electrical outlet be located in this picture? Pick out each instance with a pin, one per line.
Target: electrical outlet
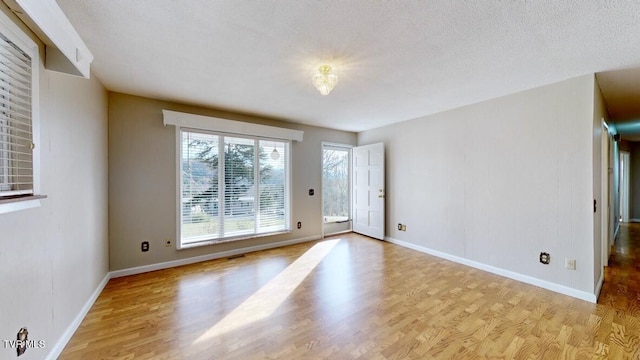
(168, 243)
(570, 263)
(144, 246)
(400, 227)
(545, 258)
(299, 224)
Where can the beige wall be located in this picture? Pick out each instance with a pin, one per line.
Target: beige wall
(142, 181)
(500, 181)
(52, 258)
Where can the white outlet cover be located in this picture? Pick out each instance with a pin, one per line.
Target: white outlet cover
(570, 263)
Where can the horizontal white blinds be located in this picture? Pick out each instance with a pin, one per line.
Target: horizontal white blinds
(272, 186)
(16, 133)
(232, 186)
(200, 204)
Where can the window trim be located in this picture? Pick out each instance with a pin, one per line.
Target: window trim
(21, 203)
(31, 48)
(224, 127)
(201, 122)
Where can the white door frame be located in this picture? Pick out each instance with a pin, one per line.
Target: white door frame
(605, 200)
(625, 172)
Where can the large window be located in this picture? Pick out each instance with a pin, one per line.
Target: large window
(17, 82)
(232, 187)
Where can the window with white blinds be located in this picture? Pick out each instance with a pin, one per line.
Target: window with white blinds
(232, 187)
(16, 130)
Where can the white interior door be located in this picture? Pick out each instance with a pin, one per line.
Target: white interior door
(624, 186)
(604, 195)
(368, 190)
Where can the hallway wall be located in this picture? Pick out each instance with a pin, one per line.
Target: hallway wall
(634, 180)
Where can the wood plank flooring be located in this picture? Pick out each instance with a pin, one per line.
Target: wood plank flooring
(352, 297)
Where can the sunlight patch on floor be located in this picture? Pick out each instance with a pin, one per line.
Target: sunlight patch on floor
(265, 301)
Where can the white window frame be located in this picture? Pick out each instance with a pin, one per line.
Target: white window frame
(230, 128)
(16, 35)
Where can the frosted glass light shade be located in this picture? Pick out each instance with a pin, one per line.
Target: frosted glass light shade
(275, 155)
(325, 79)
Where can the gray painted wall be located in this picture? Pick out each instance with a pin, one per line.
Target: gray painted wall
(500, 181)
(142, 181)
(52, 258)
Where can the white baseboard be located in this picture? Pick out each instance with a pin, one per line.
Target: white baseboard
(71, 329)
(583, 295)
(599, 285)
(201, 258)
(634, 220)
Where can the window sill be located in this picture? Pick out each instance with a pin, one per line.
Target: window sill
(20, 203)
(337, 221)
(221, 241)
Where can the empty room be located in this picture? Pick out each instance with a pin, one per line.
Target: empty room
(312, 179)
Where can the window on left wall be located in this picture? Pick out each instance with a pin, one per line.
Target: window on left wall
(19, 159)
(16, 132)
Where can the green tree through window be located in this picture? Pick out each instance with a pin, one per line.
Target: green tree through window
(204, 217)
(335, 185)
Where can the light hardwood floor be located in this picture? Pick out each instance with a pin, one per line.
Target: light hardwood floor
(354, 297)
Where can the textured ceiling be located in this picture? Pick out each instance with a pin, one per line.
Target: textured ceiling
(397, 60)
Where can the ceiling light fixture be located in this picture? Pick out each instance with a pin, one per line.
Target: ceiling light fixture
(275, 155)
(325, 79)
